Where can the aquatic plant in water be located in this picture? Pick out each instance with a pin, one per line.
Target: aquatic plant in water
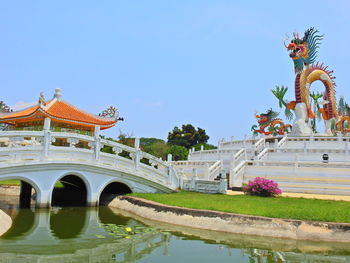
(122, 231)
(262, 187)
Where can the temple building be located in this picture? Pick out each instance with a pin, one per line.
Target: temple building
(59, 116)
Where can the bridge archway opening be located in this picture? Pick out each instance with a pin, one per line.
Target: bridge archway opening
(111, 191)
(17, 193)
(70, 190)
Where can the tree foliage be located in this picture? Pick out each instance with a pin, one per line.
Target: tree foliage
(4, 107)
(178, 152)
(206, 146)
(188, 136)
(179, 141)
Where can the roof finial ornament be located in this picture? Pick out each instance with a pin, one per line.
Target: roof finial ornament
(42, 102)
(58, 94)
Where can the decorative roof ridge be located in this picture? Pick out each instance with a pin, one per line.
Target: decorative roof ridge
(50, 103)
(90, 114)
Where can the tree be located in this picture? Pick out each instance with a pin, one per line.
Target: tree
(178, 152)
(188, 136)
(206, 146)
(159, 148)
(4, 108)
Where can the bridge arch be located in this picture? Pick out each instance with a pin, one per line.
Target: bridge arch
(111, 189)
(27, 180)
(72, 181)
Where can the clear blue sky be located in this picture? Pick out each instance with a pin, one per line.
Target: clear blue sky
(165, 63)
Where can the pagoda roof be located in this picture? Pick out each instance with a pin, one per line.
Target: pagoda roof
(58, 110)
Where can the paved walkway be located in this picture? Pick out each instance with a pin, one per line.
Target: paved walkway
(311, 196)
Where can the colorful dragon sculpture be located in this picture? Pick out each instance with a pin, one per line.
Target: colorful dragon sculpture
(344, 113)
(303, 53)
(268, 120)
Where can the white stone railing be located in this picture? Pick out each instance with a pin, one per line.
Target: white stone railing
(282, 142)
(205, 186)
(263, 154)
(207, 170)
(237, 144)
(42, 146)
(297, 163)
(238, 157)
(259, 145)
(215, 170)
(236, 175)
(211, 154)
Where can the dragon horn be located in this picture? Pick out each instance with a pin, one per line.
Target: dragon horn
(284, 42)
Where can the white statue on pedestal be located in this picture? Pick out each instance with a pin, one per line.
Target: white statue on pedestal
(301, 125)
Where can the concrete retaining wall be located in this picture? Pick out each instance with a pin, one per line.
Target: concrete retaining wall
(235, 223)
(5, 222)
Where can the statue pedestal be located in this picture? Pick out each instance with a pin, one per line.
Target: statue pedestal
(300, 125)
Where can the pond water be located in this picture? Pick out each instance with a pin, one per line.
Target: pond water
(80, 234)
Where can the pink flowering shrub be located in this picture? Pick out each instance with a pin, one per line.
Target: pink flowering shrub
(262, 187)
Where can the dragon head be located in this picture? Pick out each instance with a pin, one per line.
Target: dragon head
(266, 117)
(304, 50)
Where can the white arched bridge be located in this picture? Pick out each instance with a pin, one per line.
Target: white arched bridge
(39, 159)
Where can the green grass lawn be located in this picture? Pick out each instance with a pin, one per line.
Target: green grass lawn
(10, 182)
(279, 207)
(18, 182)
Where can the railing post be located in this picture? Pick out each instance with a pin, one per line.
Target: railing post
(223, 183)
(207, 175)
(193, 179)
(305, 149)
(276, 144)
(296, 160)
(47, 137)
(346, 149)
(97, 144)
(137, 153)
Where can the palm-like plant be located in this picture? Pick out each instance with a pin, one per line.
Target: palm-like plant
(316, 96)
(343, 107)
(279, 94)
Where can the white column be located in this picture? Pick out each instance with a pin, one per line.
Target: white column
(169, 158)
(97, 143)
(47, 124)
(206, 171)
(47, 137)
(137, 153)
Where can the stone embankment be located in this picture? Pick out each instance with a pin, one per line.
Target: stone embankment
(235, 223)
(9, 190)
(5, 222)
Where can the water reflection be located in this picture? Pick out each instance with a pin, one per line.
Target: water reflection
(76, 235)
(68, 222)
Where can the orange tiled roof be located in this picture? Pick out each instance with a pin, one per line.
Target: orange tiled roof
(25, 112)
(66, 111)
(59, 110)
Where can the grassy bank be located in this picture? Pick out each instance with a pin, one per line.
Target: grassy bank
(18, 182)
(280, 207)
(10, 182)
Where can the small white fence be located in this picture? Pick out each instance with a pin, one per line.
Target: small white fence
(204, 186)
(205, 170)
(298, 176)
